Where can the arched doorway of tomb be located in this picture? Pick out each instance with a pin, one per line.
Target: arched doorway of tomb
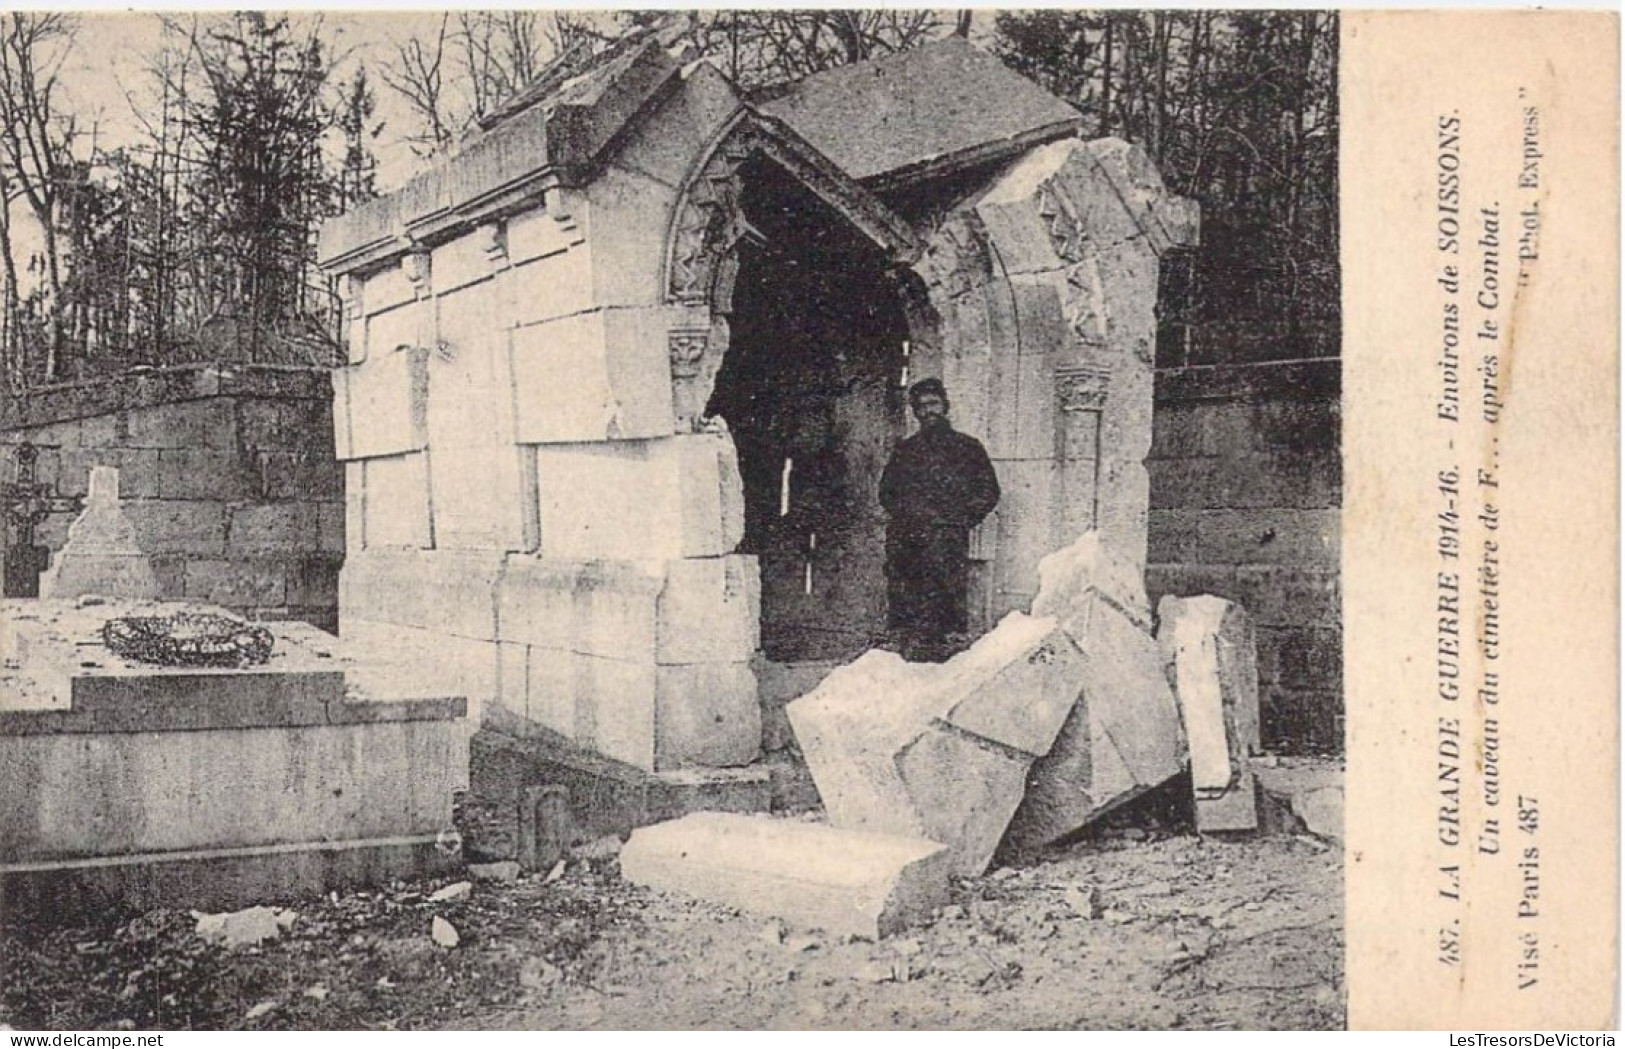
(810, 388)
(816, 315)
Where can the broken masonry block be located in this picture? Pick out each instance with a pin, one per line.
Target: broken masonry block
(940, 751)
(1067, 576)
(1208, 642)
(1122, 738)
(845, 882)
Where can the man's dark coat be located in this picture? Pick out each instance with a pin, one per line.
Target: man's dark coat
(938, 485)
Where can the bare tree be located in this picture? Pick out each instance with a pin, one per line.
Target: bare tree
(418, 74)
(36, 140)
(458, 76)
(472, 63)
(12, 368)
(758, 48)
(158, 167)
(502, 51)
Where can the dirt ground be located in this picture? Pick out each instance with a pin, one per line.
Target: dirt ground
(1131, 929)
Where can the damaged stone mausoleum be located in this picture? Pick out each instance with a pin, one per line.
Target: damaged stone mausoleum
(624, 371)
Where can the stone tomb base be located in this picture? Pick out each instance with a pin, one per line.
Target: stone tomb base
(142, 786)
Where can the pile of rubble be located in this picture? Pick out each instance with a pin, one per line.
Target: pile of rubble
(1045, 724)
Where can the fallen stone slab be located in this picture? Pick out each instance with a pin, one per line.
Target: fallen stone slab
(454, 891)
(1321, 812)
(844, 882)
(1208, 642)
(1310, 789)
(1123, 735)
(939, 751)
(1016, 685)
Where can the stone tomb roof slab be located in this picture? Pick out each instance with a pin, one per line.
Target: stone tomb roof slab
(536, 144)
(57, 675)
(922, 112)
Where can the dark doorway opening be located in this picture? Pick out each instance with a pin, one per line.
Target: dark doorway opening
(811, 390)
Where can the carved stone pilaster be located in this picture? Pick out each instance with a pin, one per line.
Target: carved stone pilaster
(1081, 397)
(1084, 302)
(695, 351)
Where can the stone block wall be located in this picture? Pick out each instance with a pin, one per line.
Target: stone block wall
(1246, 496)
(529, 501)
(227, 473)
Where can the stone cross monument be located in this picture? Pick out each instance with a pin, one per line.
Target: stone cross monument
(101, 555)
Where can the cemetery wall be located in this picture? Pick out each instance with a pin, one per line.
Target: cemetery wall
(1246, 490)
(227, 473)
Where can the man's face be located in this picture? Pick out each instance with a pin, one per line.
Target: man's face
(930, 410)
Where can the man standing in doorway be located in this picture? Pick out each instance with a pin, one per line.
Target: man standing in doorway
(938, 485)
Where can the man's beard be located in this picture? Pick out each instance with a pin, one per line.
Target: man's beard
(934, 422)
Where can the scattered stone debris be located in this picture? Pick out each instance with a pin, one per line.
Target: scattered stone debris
(1309, 792)
(1123, 736)
(876, 972)
(444, 933)
(1041, 727)
(454, 891)
(1086, 902)
(501, 871)
(244, 928)
(591, 950)
(1321, 811)
(600, 849)
(946, 757)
